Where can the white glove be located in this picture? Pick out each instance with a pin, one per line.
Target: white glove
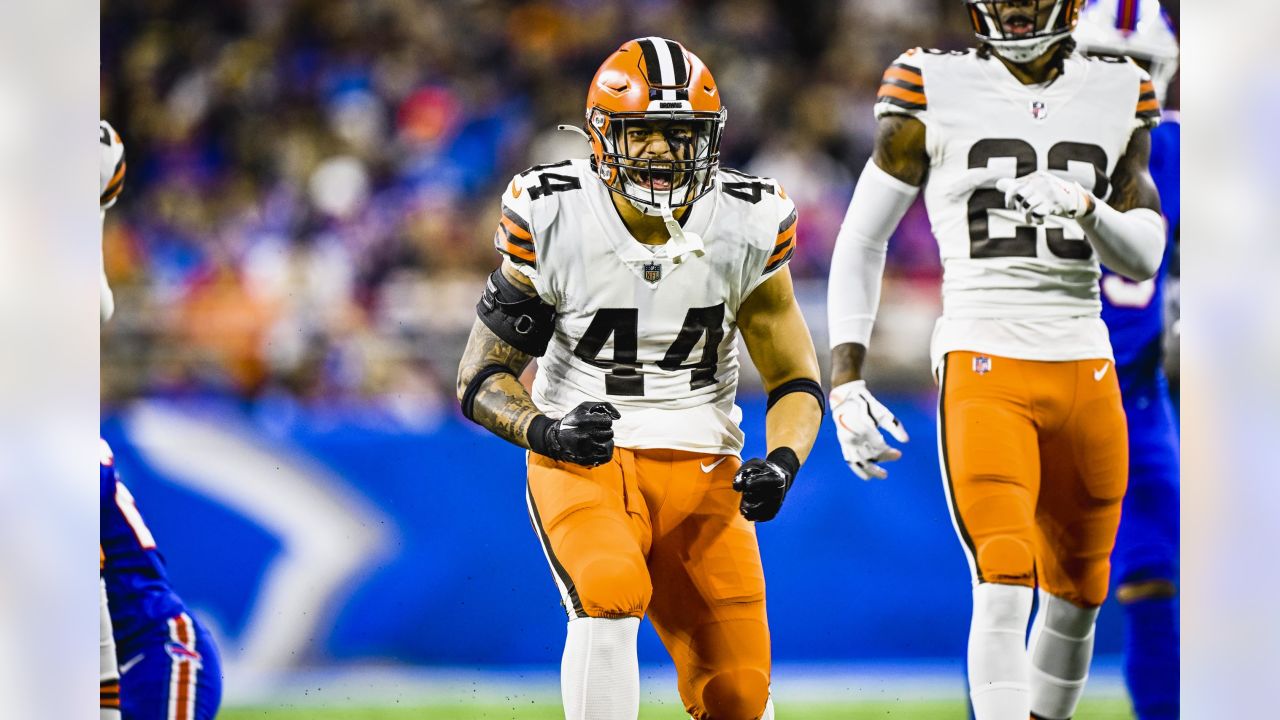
(1042, 194)
(859, 418)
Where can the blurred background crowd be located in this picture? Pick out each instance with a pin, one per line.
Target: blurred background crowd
(313, 184)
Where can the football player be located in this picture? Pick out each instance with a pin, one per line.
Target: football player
(164, 665)
(1033, 160)
(111, 169)
(169, 667)
(1145, 560)
(630, 276)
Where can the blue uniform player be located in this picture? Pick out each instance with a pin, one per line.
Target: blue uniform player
(166, 663)
(1145, 559)
(169, 667)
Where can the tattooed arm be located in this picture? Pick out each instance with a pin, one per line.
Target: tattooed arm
(583, 436)
(501, 404)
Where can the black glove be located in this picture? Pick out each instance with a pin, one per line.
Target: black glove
(764, 483)
(584, 436)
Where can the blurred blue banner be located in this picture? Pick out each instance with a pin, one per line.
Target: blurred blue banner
(306, 538)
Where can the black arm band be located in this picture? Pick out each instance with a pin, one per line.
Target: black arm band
(537, 437)
(523, 321)
(804, 385)
(785, 458)
(473, 387)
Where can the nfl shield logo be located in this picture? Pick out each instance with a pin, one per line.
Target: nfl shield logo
(982, 364)
(652, 272)
(1039, 110)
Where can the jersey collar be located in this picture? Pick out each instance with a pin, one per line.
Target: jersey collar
(635, 254)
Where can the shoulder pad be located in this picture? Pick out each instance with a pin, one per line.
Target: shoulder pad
(1147, 112)
(902, 88)
(750, 189)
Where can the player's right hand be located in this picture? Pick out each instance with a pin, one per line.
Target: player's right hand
(585, 435)
(859, 418)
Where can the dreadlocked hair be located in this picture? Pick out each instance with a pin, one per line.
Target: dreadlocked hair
(1061, 51)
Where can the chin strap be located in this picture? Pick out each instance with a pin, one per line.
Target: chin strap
(681, 242)
(575, 129)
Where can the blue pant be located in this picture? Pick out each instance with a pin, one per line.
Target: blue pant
(178, 678)
(1147, 541)
(1147, 549)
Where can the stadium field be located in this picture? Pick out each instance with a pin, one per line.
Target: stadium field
(1098, 709)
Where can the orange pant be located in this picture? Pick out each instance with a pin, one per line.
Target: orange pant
(656, 532)
(1035, 462)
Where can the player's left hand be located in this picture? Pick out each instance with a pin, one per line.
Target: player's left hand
(1042, 194)
(764, 484)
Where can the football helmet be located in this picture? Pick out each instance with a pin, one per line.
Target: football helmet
(111, 165)
(649, 87)
(1139, 29)
(1022, 30)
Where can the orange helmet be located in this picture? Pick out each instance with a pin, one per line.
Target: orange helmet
(655, 85)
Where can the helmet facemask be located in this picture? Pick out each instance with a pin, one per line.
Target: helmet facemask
(1023, 30)
(657, 183)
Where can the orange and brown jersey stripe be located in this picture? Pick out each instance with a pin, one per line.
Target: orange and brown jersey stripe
(903, 86)
(109, 694)
(514, 239)
(1148, 106)
(785, 245)
(114, 187)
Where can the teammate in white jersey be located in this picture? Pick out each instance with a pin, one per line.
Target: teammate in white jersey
(631, 275)
(1033, 160)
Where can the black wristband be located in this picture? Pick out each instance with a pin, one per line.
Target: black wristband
(473, 387)
(785, 458)
(804, 385)
(539, 437)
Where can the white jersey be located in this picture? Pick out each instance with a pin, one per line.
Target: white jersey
(1008, 288)
(655, 338)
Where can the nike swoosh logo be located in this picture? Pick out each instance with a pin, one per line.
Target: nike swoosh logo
(708, 468)
(1102, 371)
(515, 189)
(131, 662)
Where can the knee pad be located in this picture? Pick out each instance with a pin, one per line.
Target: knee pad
(1006, 559)
(614, 586)
(733, 694)
(1093, 587)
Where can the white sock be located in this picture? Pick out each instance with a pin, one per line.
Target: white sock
(1061, 648)
(599, 672)
(998, 665)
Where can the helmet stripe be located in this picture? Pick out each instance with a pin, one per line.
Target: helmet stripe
(679, 73)
(1127, 15)
(652, 72)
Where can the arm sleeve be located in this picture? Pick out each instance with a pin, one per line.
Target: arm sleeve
(857, 264)
(514, 236)
(1130, 243)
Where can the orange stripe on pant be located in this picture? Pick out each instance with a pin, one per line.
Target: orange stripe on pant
(658, 532)
(182, 678)
(1035, 463)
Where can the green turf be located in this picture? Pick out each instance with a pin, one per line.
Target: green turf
(941, 710)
